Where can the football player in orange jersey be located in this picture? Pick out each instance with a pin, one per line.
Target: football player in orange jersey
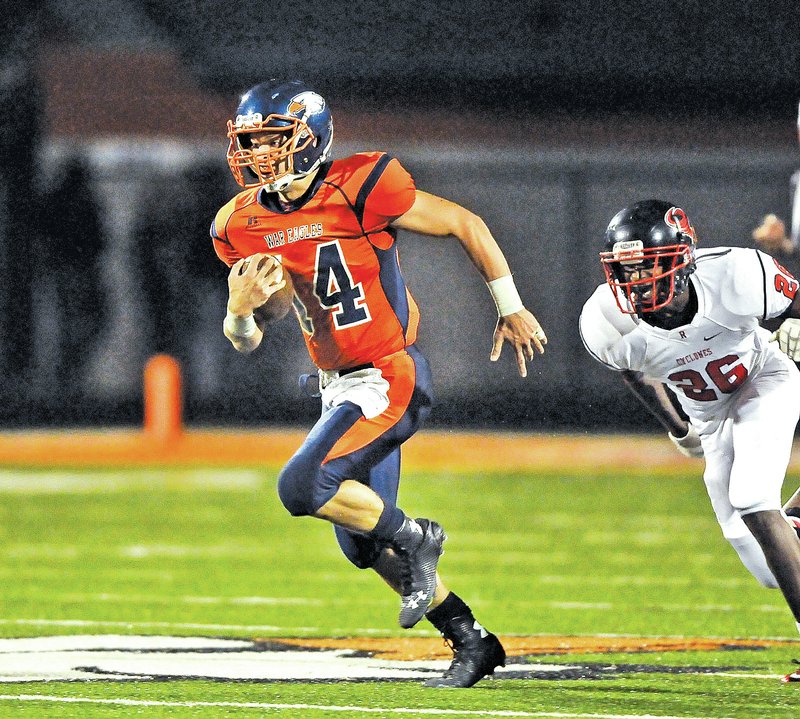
(331, 227)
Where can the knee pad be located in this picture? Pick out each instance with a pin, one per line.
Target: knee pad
(296, 485)
(304, 486)
(748, 499)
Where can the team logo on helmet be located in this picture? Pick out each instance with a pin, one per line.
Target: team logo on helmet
(676, 217)
(306, 104)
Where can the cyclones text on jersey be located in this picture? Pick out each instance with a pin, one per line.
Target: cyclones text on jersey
(705, 352)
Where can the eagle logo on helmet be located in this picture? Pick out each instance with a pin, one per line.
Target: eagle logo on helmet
(676, 217)
(306, 104)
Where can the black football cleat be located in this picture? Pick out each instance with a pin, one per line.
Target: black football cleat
(474, 657)
(419, 557)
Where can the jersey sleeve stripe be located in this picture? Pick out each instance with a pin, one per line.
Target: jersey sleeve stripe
(216, 236)
(764, 284)
(393, 285)
(368, 186)
(413, 319)
(219, 226)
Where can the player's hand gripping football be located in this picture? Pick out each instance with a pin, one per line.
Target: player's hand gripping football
(788, 338)
(252, 281)
(524, 333)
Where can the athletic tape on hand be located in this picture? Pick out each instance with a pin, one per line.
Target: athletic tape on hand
(505, 295)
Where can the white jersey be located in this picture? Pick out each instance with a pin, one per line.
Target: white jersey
(706, 361)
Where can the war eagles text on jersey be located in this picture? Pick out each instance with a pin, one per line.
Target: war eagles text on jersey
(293, 234)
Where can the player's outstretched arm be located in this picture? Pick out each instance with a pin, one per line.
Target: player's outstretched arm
(251, 282)
(653, 395)
(432, 215)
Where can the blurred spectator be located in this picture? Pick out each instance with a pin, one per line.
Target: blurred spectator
(20, 140)
(72, 242)
(771, 236)
(178, 270)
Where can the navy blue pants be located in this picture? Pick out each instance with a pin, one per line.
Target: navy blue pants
(343, 444)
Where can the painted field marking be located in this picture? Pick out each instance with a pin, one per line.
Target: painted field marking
(121, 657)
(332, 708)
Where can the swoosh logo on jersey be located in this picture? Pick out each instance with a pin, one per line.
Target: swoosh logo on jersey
(706, 339)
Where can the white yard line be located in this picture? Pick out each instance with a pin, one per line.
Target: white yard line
(153, 625)
(679, 608)
(247, 628)
(641, 581)
(324, 708)
(14, 481)
(337, 631)
(164, 599)
(740, 675)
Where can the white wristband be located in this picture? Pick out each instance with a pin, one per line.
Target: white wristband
(243, 327)
(505, 295)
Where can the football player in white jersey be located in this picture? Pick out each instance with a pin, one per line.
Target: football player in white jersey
(671, 317)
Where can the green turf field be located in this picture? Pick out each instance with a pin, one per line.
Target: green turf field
(196, 575)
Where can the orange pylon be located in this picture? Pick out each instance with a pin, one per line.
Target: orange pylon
(163, 403)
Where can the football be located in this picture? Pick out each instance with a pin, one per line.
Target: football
(279, 304)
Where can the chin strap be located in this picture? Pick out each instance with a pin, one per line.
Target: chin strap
(283, 183)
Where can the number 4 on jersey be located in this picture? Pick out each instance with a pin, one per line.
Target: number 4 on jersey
(335, 289)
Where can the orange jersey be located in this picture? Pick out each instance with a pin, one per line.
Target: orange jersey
(335, 241)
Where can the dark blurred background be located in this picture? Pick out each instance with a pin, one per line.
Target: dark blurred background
(543, 117)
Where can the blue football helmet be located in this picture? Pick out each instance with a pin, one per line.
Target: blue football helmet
(301, 132)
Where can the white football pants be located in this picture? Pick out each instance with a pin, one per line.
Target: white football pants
(747, 450)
